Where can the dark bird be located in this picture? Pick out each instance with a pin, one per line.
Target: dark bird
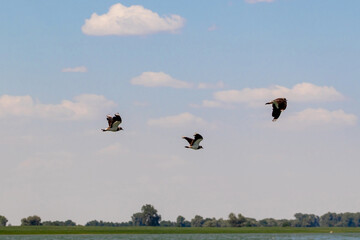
(194, 143)
(114, 123)
(278, 106)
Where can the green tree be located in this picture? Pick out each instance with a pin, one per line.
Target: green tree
(211, 222)
(137, 219)
(167, 224)
(306, 220)
(328, 220)
(236, 221)
(150, 215)
(268, 222)
(180, 221)
(197, 221)
(3, 221)
(250, 222)
(31, 221)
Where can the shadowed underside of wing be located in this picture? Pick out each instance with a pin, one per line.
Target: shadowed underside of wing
(115, 122)
(276, 113)
(190, 140)
(110, 120)
(117, 118)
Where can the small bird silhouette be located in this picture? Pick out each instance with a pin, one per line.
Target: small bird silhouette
(114, 123)
(278, 106)
(194, 142)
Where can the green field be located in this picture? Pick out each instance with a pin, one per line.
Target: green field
(15, 230)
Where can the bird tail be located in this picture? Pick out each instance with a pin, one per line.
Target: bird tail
(268, 103)
(187, 147)
(104, 130)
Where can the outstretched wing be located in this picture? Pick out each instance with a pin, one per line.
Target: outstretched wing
(197, 139)
(109, 119)
(190, 140)
(116, 120)
(276, 113)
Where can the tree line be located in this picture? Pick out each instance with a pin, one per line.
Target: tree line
(148, 216)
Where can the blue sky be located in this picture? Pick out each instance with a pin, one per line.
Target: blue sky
(172, 68)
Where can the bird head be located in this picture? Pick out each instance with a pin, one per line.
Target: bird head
(120, 128)
(200, 147)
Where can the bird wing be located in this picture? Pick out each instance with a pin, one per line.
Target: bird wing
(276, 113)
(197, 139)
(116, 120)
(190, 140)
(110, 120)
(115, 124)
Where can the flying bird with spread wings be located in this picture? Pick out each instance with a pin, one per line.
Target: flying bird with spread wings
(278, 105)
(114, 123)
(194, 142)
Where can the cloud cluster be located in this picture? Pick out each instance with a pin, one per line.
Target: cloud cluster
(81, 69)
(302, 92)
(161, 79)
(82, 107)
(158, 79)
(133, 20)
(211, 85)
(322, 116)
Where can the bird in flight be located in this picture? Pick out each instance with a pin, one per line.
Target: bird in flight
(114, 123)
(278, 106)
(194, 143)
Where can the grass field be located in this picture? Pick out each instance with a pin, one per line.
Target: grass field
(16, 230)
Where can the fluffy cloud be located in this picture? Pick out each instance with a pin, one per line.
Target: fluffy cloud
(158, 79)
(133, 20)
(257, 1)
(81, 69)
(323, 117)
(302, 92)
(82, 107)
(183, 119)
(211, 85)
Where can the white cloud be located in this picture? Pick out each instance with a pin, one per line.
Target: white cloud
(158, 79)
(183, 119)
(133, 20)
(82, 107)
(302, 92)
(257, 1)
(321, 117)
(211, 85)
(81, 69)
(211, 104)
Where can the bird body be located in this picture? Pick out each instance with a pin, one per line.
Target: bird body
(278, 105)
(194, 142)
(114, 123)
